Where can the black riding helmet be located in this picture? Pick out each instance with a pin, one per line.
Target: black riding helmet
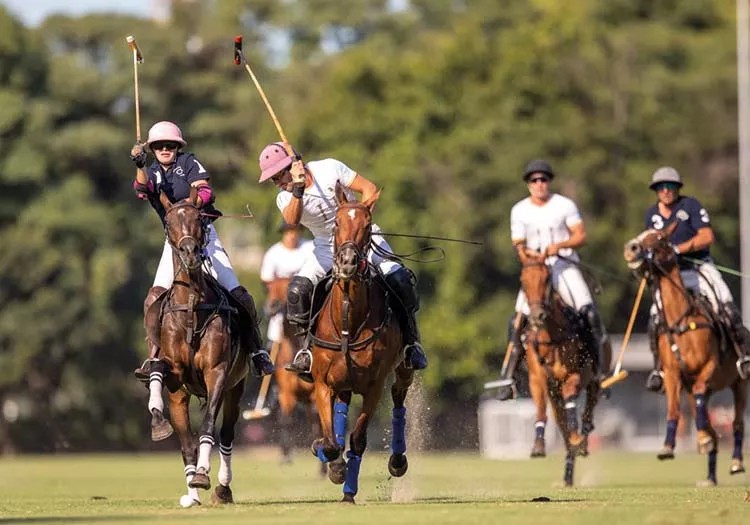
(538, 166)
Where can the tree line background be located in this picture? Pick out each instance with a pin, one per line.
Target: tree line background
(439, 102)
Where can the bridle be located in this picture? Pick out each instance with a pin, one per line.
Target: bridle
(179, 243)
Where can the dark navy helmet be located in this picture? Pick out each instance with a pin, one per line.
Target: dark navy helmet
(538, 166)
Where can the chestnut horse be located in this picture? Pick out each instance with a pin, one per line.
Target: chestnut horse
(198, 355)
(689, 348)
(357, 345)
(559, 364)
(291, 389)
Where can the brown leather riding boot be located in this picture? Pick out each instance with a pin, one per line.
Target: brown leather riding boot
(143, 372)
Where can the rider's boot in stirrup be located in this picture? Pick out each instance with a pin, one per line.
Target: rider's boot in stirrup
(143, 372)
(655, 379)
(299, 298)
(406, 304)
(741, 338)
(261, 361)
(507, 385)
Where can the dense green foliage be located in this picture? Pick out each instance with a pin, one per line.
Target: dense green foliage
(441, 103)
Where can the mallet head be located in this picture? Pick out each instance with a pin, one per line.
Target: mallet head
(134, 46)
(238, 50)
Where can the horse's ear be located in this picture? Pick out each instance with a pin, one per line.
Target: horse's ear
(193, 198)
(370, 202)
(341, 197)
(165, 200)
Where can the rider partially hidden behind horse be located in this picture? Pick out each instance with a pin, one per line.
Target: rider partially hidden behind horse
(692, 240)
(175, 172)
(551, 223)
(307, 197)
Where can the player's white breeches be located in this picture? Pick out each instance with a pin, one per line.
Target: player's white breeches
(220, 267)
(316, 267)
(707, 281)
(275, 327)
(568, 281)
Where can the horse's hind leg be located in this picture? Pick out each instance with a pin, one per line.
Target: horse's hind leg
(231, 413)
(179, 404)
(397, 463)
(739, 391)
(570, 463)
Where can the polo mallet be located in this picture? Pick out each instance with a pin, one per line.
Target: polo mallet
(619, 374)
(137, 59)
(239, 58)
(261, 411)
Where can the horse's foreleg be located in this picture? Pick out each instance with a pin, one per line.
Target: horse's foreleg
(397, 463)
(358, 442)
(570, 390)
(287, 401)
(587, 419)
(707, 438)
(672, 390)
(160, 427)
(179, 405)
(215, 383)
(325, 448)
(538, 387)
(231, 413)
(739, 392)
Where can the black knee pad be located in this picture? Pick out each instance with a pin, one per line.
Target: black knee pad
(404, 284)
(298, 298)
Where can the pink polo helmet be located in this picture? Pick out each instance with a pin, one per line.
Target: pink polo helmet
(273, 159)
(165, 130)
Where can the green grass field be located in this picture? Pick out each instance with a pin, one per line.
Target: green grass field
(612, 488)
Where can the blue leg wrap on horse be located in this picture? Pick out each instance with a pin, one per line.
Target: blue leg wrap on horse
(340, 413)
(671, 432)
(712, 465)
(701, 414)
(539, 429)
(738, 438)
(571, 414)
(322, 457)
(351, 483)
(398, 424)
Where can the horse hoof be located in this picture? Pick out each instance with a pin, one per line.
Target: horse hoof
(160, 428)
(200, 481)
(737, 467)
(398, 465)
(348, 498)
(666, 453)
(706, 483)
(705, 444)
(337, 471)
(539, 449)
(222, 495)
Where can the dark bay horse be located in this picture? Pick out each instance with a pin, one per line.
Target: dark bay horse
(689, 348)
(559, 364)
(291, 389)
(357, 345)
(198, 355)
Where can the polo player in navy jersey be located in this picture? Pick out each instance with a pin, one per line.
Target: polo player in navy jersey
(692, 240)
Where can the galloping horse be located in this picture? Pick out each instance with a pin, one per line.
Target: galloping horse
(356, 346)
(198, 355)
(690, 338)
(292, 390)
(559, 364)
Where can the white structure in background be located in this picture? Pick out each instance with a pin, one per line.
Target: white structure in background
(506, 429)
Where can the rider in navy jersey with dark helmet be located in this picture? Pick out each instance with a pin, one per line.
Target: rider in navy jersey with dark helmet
(176, 172)
(692, 240)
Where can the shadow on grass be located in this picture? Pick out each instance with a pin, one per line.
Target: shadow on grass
(73, 519)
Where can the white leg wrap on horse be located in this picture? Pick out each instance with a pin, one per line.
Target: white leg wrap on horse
(189, 473)
(542, 424)
(225, 465)
(155, 400)
(204, 453)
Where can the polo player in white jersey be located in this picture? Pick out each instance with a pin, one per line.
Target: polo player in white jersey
(550, 223)
(307, 197)
(281, 261)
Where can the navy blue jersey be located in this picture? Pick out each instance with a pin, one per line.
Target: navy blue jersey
(692, 216)
(176, 181)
